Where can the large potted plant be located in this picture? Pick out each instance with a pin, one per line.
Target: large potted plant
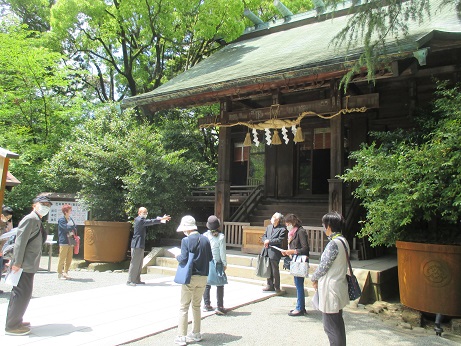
(116, 164)
(410, 186)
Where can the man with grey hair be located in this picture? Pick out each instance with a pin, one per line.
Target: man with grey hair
(274, 236)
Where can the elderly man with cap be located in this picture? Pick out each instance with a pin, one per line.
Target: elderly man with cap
(218, 249)
(192, 292)
(26, 256)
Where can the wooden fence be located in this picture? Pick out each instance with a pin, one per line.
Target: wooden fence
(234, 236)
(234, 233)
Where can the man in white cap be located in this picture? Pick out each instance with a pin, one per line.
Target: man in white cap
(192, 292)
(26, 256)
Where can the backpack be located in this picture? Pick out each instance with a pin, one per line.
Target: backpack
(8, 247)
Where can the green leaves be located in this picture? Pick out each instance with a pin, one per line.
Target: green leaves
(118, 164)
(410, 184)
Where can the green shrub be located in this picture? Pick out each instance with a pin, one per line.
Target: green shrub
(410, 183)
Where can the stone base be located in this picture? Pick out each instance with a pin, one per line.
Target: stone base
(100, 267)
(456, 326)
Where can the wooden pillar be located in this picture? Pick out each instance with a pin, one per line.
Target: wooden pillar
(222, 189)
(5, 156)
(4, 161)
(335, 200)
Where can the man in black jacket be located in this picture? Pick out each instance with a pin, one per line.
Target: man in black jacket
(138, 244)
(274, 236)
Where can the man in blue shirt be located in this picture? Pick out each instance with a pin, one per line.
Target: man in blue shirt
(192, 293)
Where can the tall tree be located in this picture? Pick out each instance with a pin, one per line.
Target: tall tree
(128, 44)
(38, 109)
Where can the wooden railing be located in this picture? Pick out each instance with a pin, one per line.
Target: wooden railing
(248, 205)
(238, 193)
(317, 240)
(234, 237)
(254, 182)
(234, 233)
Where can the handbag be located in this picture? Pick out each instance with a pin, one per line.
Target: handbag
(77, 245)
(263, 269)
(353, 287)
(299, 266)
(216, 276)
(71, 240)
(184, 270)
(286, 262)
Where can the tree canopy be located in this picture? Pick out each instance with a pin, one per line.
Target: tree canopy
(38, 109)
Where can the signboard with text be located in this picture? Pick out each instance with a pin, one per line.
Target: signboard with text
(79, 213)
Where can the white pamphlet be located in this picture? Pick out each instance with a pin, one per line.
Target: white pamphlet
(176, 251)
(277, 248)
(12, 278)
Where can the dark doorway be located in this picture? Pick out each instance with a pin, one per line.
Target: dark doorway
(320, 171)
(279, 170)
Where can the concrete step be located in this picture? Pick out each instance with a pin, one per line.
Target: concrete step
(238, 267)
(377, 278)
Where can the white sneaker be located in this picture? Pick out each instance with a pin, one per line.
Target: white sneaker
(194, 337)
(180, 340)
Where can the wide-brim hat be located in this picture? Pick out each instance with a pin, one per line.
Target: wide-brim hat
(42, 199)
(213, 223)
(187, 224)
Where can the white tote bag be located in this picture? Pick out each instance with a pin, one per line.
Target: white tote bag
(299, 266)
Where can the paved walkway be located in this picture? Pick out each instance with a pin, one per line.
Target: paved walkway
(113, 315)
(99, 309)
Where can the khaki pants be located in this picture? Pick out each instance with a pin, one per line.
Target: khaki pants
(65, 258)
(191, 293)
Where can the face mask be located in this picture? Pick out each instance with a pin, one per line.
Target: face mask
(143, 216)
(43, 209)
(290, 227)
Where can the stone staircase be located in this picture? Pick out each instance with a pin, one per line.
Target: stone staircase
(240, 267)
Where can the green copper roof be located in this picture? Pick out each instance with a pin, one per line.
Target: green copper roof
(305, 49)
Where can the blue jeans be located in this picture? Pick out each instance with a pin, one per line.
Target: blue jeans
(300, 303)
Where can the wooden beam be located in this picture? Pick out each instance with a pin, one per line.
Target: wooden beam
(323, 107)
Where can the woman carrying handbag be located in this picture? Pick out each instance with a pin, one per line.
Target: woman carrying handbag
(67, 230)
(298, 245)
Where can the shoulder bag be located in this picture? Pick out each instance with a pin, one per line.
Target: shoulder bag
(352, 284)
(217, 276)
(184, 271)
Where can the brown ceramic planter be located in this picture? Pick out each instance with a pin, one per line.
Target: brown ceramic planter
(106, 241)
(430, 277)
